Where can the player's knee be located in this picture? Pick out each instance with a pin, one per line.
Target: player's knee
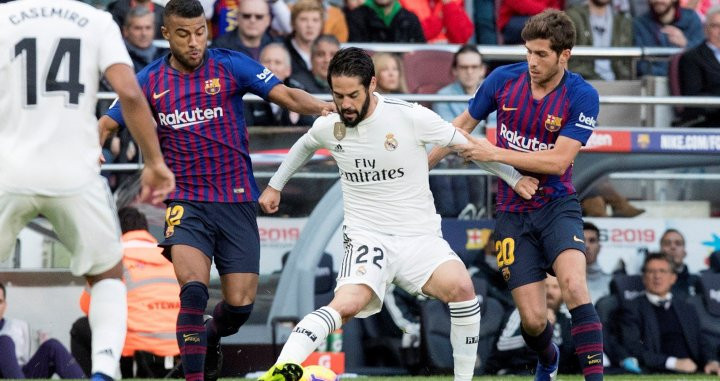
(574, 290)
(460, 291)
(535, 325)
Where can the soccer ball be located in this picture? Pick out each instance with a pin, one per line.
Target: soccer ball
(318, 373)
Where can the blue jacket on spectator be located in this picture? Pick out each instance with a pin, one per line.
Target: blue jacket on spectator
(648, 34)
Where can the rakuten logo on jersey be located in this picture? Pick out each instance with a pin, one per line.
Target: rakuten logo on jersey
(181, 119)
(522, 143)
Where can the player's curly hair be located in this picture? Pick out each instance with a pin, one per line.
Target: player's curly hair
(131, 219)
(186, 9)
(553, 25)
(352, 62)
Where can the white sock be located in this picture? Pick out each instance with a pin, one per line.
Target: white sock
(464, 335)
(108, 322)
(307, 335)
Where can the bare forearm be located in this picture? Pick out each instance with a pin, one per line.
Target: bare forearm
(106, 127)
(303, 103)
(546, 162)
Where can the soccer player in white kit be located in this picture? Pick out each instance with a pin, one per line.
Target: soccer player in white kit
(391, 231)
(52, 55)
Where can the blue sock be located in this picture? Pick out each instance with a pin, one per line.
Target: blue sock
(97, 376)
(226, 321)
(588, 339)
(190, 330)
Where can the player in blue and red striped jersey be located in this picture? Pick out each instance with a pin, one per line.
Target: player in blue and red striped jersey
(545, 114)
(196, 97)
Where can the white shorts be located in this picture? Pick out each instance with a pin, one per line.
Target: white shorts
(86, 223)
(376, 260)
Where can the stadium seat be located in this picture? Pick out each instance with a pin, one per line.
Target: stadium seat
(674, 79)
(623, 115)
(427, 71)
(435, 330)
(608, 310)
(626, 287)
(707, 305)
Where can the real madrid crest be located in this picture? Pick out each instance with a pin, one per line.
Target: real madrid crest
(390, 142)
(339, 130)
(212, 86)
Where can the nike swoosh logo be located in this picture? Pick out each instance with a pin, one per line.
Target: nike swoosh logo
(576, 239)
(508, 108)
(590, 357)
(186, 335)
(156, 96)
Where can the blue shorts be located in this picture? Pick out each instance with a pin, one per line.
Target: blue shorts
(528, 243)
(225, 232)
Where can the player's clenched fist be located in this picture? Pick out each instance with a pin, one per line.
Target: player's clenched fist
(526, 187)
(269, 200)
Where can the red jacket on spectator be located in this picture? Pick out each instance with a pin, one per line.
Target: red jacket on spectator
(509, 8)
(442, 22)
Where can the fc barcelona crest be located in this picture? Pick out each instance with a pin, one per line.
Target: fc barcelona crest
(339, 130)
(553, 123)
(212, 86)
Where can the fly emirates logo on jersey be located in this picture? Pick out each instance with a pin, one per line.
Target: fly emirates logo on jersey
(181, 119)
(367, 173)
(522, 143)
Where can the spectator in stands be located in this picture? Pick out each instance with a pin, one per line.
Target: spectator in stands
(672, 244)
(223, 16)
(335, 23)
(453, 193)
(714, 262)
(666, 24)
(384, 21)
(513, 14)
(275, 57)
(598, 24)
(512, 355)
(700, 73)
(15, 361)
(603, 194)
(597, 280)
(442, 21)
(307, 21)
(138, 33)
(351, 5)
(153, 304)
(389, 73)
(120, 8)
(322, 51)
(252, 32)
(661, 330)
(468, 69)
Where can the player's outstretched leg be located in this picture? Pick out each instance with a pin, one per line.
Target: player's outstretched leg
(464, 335)
(226, 320)
(190, 330)
(547, 351)
(312, 330)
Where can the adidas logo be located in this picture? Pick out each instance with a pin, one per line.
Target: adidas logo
(106, 351)
(339, 148)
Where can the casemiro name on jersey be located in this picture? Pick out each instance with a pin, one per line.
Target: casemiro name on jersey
(48, 12)
(366, 172)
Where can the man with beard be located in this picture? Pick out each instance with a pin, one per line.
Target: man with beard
(666, 24)
(391, 231)
(196, 96)
(545, 115)
(597, 23)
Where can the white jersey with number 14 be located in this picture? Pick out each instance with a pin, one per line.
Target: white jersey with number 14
(52, 56)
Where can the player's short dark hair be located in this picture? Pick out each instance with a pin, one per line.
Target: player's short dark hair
(591, 226)
(186, 9)
(352, 62)
(467, 48)
(131, 219)
(553, 25)
(657, 257)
